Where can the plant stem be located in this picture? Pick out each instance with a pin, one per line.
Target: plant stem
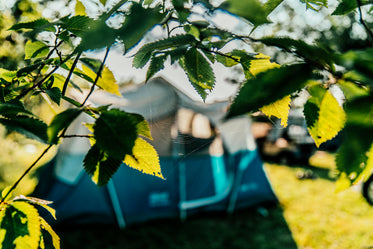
(70, 73)
(98, 75)
(26, 172)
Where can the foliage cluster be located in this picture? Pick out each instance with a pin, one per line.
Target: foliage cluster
(56, 62)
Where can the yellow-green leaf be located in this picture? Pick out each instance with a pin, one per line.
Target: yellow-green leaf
(261, 64)
(368, 170)
(103, 2)
(40, 202)
(80, 9)
(107, 80)
(55, 238)
(144, 158)
(35, 49)
(342, 183)
(330, 120)
(29, 217)
(279, 109)
(144, 130)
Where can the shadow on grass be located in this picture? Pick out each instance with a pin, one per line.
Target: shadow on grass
(245, 229)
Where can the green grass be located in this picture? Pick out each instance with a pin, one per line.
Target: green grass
(310, 214)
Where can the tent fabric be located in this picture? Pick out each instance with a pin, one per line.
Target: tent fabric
(209, 163)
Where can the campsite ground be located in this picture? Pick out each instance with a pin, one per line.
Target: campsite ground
(310, 214)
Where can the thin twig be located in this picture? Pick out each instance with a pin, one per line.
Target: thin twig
(370, 33)
(31, 167)
(70, 74)
(98, 75)
(26, 172)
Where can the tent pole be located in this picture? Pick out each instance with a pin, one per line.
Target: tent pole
(116, 204)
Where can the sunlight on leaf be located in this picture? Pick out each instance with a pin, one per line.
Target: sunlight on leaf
(107, 80)
(342, 183)
(46, 228)
(368, 170)
(320, 126)
(144, 158)
(262, 64)
(80, 9)
(35, 50)
(144, 130)
(279, 109)
(19, 226)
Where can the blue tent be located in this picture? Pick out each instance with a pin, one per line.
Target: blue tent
(210, 164)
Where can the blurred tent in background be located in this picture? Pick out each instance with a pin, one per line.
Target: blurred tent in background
(210, 164)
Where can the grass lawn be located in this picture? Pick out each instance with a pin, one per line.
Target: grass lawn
(310, 214)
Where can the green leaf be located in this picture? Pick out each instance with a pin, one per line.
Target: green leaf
(199, 72)
(251, 10)
(144, 158)
(311, 53)
(28, 126)
(41, 24)
(347, 6)
(7, 75)
(156, 64)
(20, 226)
(28, 69)
(79, 25)
(100, 166)
(173, 42)
(137, 24)
(359, 63)
(352, 90)
(140, 60)
(271, 5)
(35, 50)
(13, 109)
(96, 28)
(115, 132)
(268, 87)
(60, 122)
(319, 110)
(103, 2)
(55, 94)
(358, 133)
(93, 64)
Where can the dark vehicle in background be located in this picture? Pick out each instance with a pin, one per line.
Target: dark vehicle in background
(290, 145)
